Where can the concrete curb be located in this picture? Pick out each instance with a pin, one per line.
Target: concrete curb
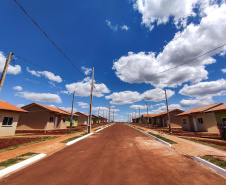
(78, 139)
(99, 129)
(165, 143)
(210, 165)
(20, 165)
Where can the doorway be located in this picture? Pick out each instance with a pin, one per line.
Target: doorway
(195, 125)
(55, 125)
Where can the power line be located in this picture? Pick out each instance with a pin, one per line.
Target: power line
(50, 39)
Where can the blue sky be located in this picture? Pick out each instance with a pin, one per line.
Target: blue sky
(127, 42)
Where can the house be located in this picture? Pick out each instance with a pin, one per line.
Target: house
(95, 118)
(145, 117)
(134, 120)
(102, 119)
(42, 117)
(83, 118)
(75, 118)
(200, 119)
(162, 118)
(9, 115)
(220, 113)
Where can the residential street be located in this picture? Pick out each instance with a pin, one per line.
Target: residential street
(116, 155)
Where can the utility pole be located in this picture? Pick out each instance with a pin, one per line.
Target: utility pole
(72, 107)
(5, 69)
(103, 114)
(109, 114)
(139, 115)
(168, 113)
(148, 115)
(99, 116)
(113, 116)
(90, 105)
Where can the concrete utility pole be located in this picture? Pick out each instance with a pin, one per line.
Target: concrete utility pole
(139, 115)
(90, 106)
(109, 114)
(99, 116)
(5, 69)
(72, 107)
(148, 115)
(113, 116)
(168, 113)
(103, 113)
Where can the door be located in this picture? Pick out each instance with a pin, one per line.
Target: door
(195, 125)
(163, 123)
(55, 125)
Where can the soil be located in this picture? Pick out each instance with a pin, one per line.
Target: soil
(219, 143)
(116, 155)
(4, 143)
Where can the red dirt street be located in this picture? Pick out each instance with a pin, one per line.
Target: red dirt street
(118, 155)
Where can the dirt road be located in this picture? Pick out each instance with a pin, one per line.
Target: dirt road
(117, 155)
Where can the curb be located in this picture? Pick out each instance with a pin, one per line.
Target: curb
(78, 139)
(165, 143)
(99, 129)
(210, 165)
(20, 165)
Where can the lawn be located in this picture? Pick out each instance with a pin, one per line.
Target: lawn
(215, 161)
(163, 138)
(73, 138)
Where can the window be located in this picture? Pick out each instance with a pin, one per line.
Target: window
(68, 119)
(51, 119)
(184, 121)
(64, 120)
(200, 120)
(7, 121)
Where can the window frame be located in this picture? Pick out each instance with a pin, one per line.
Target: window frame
(7, 124)
(52, 119)
(184, 121)
(64, 120)
(199, 120)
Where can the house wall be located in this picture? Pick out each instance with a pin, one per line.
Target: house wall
(159, 121)
(60, 124)
(219, 115)
(82, 119)
(75, 121)
(185, 127)
(9, 130)
(175, 122)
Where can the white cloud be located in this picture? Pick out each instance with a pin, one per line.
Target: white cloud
(222, 53)
(114, 28)
(206, 100)
(52, 84)
(159, 12)
(138, 106)
(223, 70)
(41, 97)
(157, 94)
(68, 109)
(52, 105)
(83, 88)
(159, 104)
(163, 108)
(83, 105)
(47, 74)
(193, 41)
(20, 105)
(18, 88)
(125, 27)
(124, 97)
(11, 69)
(87, 71)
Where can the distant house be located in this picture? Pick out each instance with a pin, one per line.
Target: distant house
(42, 117)
(9, 115)
(161, 119)
(201, 119)
(95, 118)
(145, 117)
(83, 118)
(102, 119)
(75, 118)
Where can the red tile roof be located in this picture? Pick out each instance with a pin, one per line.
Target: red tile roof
(82, 113)
(7, 106)
(200, 109)
(163, 113)
(149, 115)
(69, 112)
(218, 108)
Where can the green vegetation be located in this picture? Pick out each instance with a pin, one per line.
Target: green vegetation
(163, 138)
(76, 131)
(29, 143)
(205, 143)
(72, 138)
(15, 160)
(215, 161)
(140, 129)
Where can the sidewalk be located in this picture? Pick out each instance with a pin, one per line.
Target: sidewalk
(48, 147)
(188, 147)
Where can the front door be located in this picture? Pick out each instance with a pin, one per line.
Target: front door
(55, 125)
(195, 125)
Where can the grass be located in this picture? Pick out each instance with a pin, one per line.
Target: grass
(76, 131)
(140, 129)
(163, 138)
(29, 143)
(73, 138)
(215, 161)
(15, 160)
(204, 143)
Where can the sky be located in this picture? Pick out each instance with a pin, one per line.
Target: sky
(138, 49)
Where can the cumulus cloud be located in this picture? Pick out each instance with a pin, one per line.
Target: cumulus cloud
(206, 100)
(163, 108)
(11, 69)
(83, 88)
(47, 74)
(125, 27)
(41, 97)
(116, 27)
(52, 105)
(223, 70)
(83, 105)
(159, 12)
(18, 88)
(124, 97)
(68, 109)
(86, 70)
(157, 94)
(159, 104)
(20, 105)
(193, 41)
(138, 106)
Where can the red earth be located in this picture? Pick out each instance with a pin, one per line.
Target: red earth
(4, 143)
